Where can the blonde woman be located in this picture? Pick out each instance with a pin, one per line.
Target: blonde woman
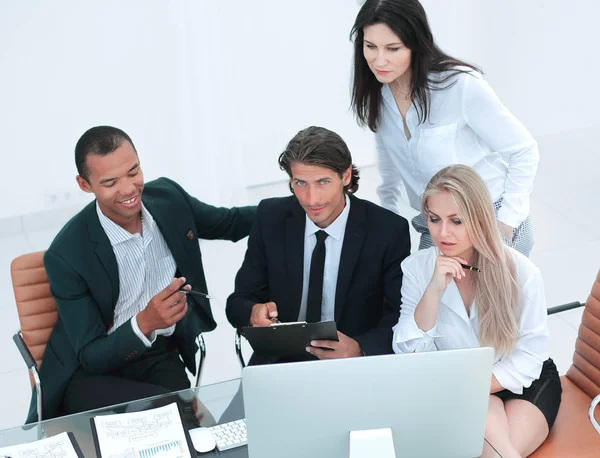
(501, 305)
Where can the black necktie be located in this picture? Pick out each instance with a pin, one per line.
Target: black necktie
(315, 280)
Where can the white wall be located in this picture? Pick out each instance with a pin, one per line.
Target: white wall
(207, 90)
(538, 55)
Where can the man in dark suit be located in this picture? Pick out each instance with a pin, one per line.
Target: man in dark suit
(115, 269)
(323, 254)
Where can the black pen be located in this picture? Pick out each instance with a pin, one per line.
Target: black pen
(468, 267)
(194, 293)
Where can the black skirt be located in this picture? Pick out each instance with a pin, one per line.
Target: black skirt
(544, 393)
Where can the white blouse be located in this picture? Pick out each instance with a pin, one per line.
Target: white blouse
(467, 125)
(454, 329)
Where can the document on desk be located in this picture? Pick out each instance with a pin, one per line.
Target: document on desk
(62, 445)
(154, 433)
(288, 339)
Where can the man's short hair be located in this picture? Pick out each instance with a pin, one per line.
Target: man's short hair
(98, 141)
(321, 147)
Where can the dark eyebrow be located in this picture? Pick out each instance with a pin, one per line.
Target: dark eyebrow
(449, 216)
(389, 44)
(106, 180)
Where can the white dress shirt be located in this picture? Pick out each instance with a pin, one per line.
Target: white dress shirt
(454, 329)
(146, 267)
(467, 125)
(333, 253)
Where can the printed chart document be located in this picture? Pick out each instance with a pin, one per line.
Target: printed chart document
(154, 433)
(62, 445)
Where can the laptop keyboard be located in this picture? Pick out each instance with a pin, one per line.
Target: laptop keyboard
(230, 435)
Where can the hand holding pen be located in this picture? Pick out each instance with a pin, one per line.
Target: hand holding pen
(264, 314)
(446, 268)
(195, 293)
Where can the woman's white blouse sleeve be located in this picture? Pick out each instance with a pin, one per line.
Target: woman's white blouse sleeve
(408, 338)
(485, 114)
(389, 189)
(524, 364)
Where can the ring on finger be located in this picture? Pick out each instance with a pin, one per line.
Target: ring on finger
(175, 303)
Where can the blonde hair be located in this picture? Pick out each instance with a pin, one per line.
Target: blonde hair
(495, 287)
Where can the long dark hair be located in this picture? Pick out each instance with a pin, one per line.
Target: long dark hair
(322, 147)
(408, 21)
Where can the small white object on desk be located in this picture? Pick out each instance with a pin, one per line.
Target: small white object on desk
(203, 439)
(372, 442)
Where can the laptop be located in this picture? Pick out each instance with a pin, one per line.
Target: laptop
(435, 404)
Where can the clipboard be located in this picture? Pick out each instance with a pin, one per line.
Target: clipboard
(288, 339)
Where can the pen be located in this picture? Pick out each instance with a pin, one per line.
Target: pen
(468, 267)
(194, 293)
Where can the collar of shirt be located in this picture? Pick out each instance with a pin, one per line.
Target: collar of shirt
(335, 229)
(116, 234)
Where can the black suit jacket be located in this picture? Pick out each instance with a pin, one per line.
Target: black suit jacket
(84, 281)
(367, 298)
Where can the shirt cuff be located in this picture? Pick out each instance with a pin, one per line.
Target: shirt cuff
(407, 330)
(136, 329)
(509, 217)
(506, 379)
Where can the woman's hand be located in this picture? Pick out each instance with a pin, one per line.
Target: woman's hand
(506, 231)
(445, 269)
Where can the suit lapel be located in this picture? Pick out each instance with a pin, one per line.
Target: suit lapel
(163, 214)
(105, 255)
(294, 254)
(354, 237)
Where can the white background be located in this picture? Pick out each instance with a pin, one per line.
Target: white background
(211, 91)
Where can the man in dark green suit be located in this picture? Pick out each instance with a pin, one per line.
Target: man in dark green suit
(124, 331)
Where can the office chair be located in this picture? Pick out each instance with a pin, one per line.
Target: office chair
(38, 314)
(576, 432)
(238, 347)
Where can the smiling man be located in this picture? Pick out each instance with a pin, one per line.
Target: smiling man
(323, 254)
(124, 331)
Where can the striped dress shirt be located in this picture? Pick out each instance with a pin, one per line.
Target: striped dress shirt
(146, 266)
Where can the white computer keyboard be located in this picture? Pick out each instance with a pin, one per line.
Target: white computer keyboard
(230, 435)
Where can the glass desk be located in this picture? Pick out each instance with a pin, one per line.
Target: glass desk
(203, 406)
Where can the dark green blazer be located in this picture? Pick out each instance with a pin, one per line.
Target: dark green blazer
(84, 280)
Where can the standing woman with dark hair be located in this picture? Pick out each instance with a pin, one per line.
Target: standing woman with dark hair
(429, 110)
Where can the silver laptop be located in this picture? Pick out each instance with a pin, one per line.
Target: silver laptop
(434, 402)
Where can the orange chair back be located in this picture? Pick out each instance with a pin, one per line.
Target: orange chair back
(35, 305)
(585, 371)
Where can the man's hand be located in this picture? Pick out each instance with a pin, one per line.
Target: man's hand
(165, 309)
(263, 314)
(330, 349)
(506, 231)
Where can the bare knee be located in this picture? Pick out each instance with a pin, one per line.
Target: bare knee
(496, 429)
(527, 426)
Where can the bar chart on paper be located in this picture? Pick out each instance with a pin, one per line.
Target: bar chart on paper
(169, 449)
(152, 433)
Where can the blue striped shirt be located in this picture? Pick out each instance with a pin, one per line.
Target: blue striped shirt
(146, 266)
